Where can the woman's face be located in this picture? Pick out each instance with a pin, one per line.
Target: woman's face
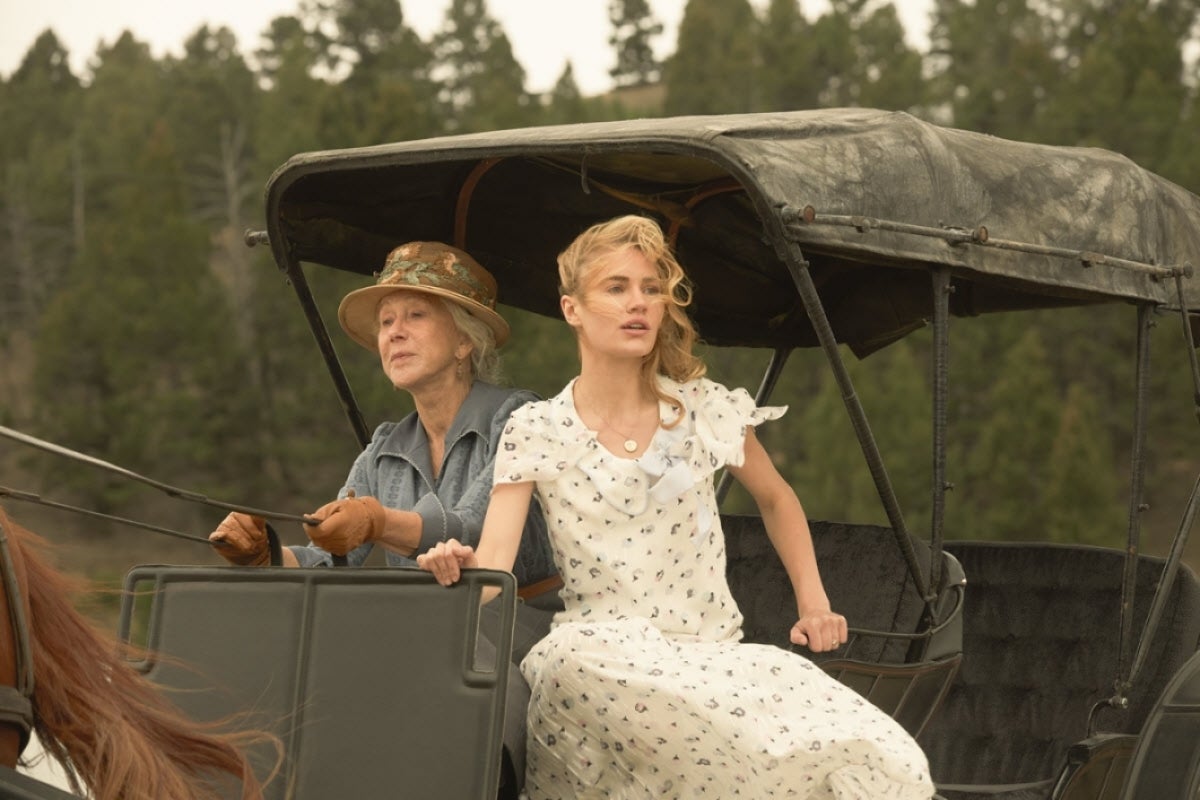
(621, 308)
(419, 344)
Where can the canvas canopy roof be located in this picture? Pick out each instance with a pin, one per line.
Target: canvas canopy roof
(873, 200)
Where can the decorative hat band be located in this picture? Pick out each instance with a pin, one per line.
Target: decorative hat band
(406, 268)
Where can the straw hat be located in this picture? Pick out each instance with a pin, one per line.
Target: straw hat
(430, 267)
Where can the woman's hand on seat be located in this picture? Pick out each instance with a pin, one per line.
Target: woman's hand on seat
(820, 630)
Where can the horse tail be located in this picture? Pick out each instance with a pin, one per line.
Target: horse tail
(106, 722)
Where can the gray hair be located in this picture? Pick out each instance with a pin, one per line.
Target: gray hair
(485, 356)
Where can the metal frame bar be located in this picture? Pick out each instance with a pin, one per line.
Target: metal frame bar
(341, 383)
(980, 236)
(941, 369)
(790, 254)
(1137, 482)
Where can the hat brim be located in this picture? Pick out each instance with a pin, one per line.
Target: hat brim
(356, 313)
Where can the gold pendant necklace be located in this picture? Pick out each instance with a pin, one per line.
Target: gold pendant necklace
(630, 444)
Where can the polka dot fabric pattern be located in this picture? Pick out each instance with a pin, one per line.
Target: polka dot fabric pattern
(643, 689)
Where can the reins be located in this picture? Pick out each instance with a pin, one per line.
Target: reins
(273, 543)
(172, 491)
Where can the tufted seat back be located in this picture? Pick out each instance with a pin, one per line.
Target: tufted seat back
(852, 558)
(1040, 648)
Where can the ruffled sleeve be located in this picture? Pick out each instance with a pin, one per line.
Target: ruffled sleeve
(712, 435)
(538, 443)
(721, 416)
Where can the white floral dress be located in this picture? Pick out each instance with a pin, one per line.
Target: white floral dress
(642, 688)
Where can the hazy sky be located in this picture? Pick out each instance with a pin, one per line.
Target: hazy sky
(545, 34)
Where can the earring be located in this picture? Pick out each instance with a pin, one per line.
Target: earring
(458, 369)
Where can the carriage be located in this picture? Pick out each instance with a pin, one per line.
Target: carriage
(1025, 670)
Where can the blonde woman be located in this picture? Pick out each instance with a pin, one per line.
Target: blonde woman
(642, 688)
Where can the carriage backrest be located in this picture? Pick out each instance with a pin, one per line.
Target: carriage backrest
(326, 656)
(1040, 649)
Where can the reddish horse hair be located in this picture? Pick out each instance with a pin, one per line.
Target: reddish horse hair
(111, 727)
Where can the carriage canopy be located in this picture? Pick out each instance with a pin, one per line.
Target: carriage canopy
(873, 200)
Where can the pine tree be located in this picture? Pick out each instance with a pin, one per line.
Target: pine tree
(291, 107)
(633, 29)
(992, 65)
(1123, 85)
(142, 278)
(566, 102)
(40, 205)
(715, 66)
(789, 76)
(387, 94)
(887, 72)
(1004, 465)
(1081, 503)
(482, 84)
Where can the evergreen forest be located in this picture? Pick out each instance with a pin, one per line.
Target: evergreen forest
(136, 325)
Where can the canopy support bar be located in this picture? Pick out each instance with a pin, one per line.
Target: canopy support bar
(1163, 590)
(798, 266)
(941, 370)
(1166, 581)
(1191, 344)
(341, 383)
(1137, 481)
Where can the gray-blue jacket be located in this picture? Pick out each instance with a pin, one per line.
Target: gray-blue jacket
(395, 469)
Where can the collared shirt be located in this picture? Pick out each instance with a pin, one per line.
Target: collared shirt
(395, 468)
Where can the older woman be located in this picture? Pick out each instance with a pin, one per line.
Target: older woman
(426, 479)
(431, 318)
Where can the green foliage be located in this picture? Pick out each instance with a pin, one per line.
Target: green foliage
(163, 344)
(861, 59)
(482, 84)
(142, 278)
(294, 104)
(633, 29)
(993, 63)
(39, 170)
(1080, 501)
(1003, 467)
(789, 78)
(387, 95)
(716, 60)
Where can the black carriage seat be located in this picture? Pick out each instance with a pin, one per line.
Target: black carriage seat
(1040, 649)
(868, 581)
(373, 678)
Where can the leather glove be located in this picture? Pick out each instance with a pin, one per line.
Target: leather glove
(345, 524)
(243, 540)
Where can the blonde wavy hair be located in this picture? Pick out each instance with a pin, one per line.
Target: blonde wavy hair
(672, 354)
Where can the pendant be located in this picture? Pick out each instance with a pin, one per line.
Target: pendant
(630, 445)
